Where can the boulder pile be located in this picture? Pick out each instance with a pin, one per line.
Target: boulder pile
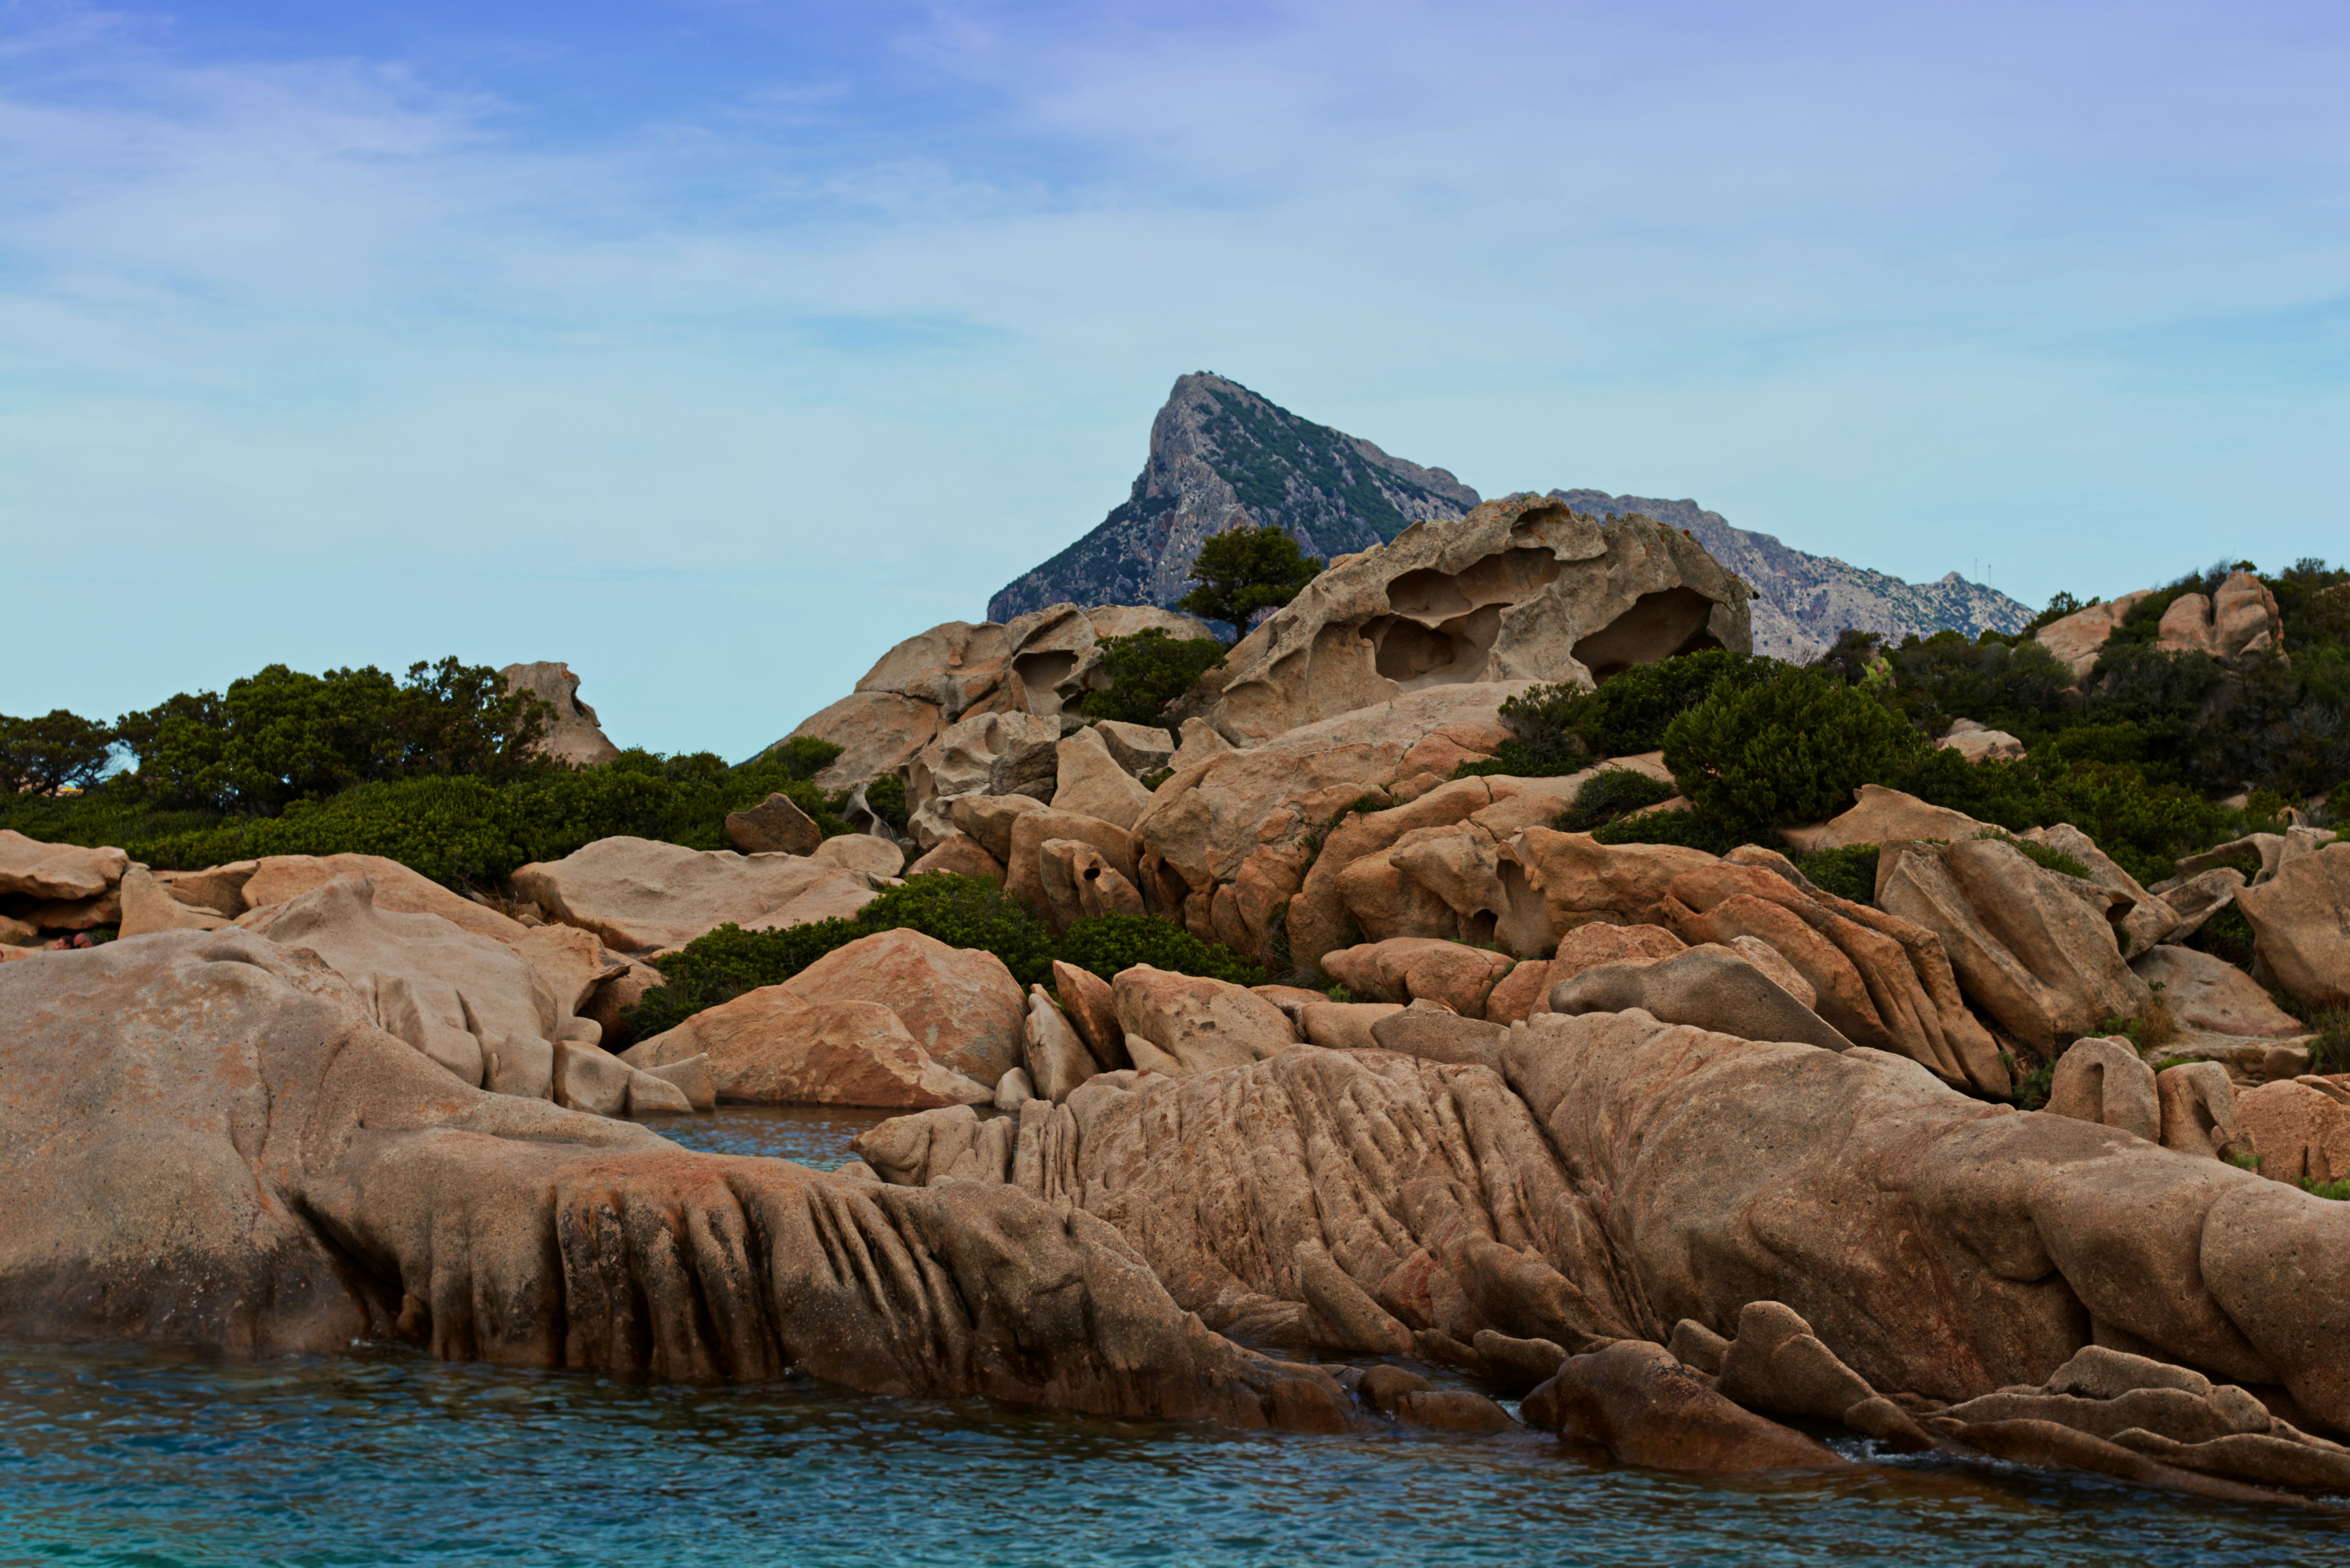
(1712, 1167)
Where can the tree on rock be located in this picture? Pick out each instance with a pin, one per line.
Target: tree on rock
(1246, 571)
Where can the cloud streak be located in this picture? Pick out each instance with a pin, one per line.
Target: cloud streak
(715, 352)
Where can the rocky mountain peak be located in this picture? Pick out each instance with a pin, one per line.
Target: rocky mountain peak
(1224, 457)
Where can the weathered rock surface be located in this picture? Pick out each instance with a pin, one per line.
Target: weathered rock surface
(1189, 1023)
(1091, 1008)
(1884, 816)
(865, 853)
(959, 854)
(56, 871)
(475, 1006)
(1224, 839)
(2029, 950)
(1525, 990)
(1646, 1408)
(2205, 992)
(959, 1004)
(2104, 1081)
(1404, 969)
(1080, 883)
(312, 1181)
(1023, 876)
(1521, 590)
(1087, 779)
(641, 895)
(2079, 639)
(573, 735)
(878, 733)
(1004, 753)
(2149, 920)
(2299, 1128)
(397, 889)
(1140, 749)
(146, 908)
(775, 1046)
(1979, 743)
(1057, 1060)
(2199, 1109)
(2300, 924)
(1711, 987)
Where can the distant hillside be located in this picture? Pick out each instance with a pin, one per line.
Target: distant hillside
(1223, 457)
(1803, 600)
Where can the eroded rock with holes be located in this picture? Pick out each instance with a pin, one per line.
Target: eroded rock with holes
(311, 1181)
(1522, 589)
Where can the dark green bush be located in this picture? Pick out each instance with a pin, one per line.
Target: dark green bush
(1608, 794)
(2011, 794)
(1848, 872)
(1544, 745)
(282, 736)
(1108, 943)
(885, 799)
(802, 757)
(1789, 750)
(1148, 670)
(2226, 935)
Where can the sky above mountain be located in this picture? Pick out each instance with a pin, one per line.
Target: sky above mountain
(712, 345)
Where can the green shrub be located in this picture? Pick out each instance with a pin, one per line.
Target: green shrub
(1848, 872)
(2336, 1192)
(1108, 943)
(2011, 794)
(802, 757)
(2226, 935)
(280, 736)
(1542, 743)
(1608, 794)
(1243, 571)
(2032, 1089)
(2142, 827)
(1148, 670)
(885, 799)
(1789, 750)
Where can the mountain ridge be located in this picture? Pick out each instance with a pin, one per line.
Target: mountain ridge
(1223, 456)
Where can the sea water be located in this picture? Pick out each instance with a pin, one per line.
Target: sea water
(113, 1454)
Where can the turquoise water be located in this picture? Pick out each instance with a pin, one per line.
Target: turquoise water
(120, 1455)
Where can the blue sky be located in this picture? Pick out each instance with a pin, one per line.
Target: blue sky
(714, 346)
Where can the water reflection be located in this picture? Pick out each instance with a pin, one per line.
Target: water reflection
(815, 1136)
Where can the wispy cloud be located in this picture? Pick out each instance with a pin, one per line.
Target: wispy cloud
(760, 335)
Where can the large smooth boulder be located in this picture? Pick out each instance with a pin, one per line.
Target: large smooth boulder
(2299, 1128)
(310, 1181)
(959, 854)
(573, 734)
(989, 817)
(959, 1005)
(1884, 817)
(2301, 925)
(146, 908)
(1088, 780)
(1713, 987)
(1057, 1060)
(774, 826)
(279, 877)
(472, 1005)
(2029, 950)
(2240, 618)
(1525, 990)
(878, 733)
(2207, 991)
(2149, 920)
(641, 896)
(572, 963)
(1521, 590)
(2079, 639)
(775, 1046)
(1980, 744)
(58, 872)
(1181, 1024)
(1643, 1406)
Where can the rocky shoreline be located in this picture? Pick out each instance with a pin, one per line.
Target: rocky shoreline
(1695, 1157)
